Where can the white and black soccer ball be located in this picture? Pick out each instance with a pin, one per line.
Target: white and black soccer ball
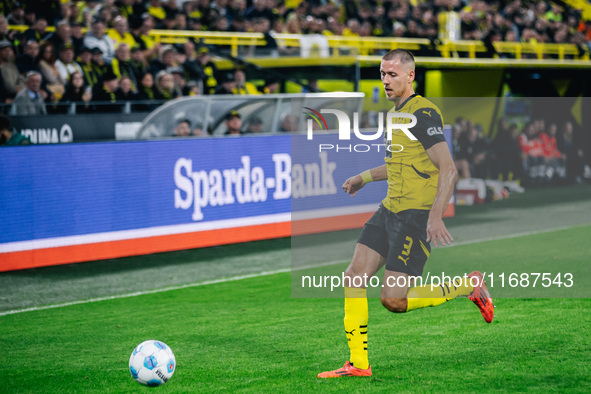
(152, 363)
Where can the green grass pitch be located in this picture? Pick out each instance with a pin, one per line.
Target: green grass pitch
(250, 335)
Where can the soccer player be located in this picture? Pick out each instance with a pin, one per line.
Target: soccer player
(420, 179)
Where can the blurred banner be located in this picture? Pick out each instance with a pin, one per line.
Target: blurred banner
(68, 203)
(81, 202)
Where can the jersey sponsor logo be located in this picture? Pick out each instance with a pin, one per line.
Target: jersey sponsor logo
(431, 131)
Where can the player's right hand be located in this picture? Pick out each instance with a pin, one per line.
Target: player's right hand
(353, 184)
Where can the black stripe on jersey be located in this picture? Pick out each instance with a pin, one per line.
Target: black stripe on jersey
(419, 173)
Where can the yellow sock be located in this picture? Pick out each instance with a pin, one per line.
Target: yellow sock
(356, 317)
(422, 296)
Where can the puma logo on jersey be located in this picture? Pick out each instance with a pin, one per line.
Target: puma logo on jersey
(434, 130)
(427, 113)
(350, 333)
(403, 259)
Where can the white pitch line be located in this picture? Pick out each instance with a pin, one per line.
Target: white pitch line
(266, 273)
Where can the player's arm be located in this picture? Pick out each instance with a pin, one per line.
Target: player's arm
(353, 184)
(448, 174)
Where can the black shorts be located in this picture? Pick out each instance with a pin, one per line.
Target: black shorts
(400, 238)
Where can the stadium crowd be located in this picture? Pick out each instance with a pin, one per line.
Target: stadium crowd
(537, 153)
(102, 51)
(117, 59)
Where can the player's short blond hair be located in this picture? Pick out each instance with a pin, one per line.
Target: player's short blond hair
(404, 56)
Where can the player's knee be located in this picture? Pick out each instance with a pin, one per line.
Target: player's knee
(351, 272)
(395, 305)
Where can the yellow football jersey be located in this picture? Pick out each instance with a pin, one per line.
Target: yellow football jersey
(412, 177)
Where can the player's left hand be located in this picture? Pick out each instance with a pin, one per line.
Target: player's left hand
(436, 231)
(352, 185)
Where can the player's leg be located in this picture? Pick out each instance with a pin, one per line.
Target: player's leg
(399, 296)
(368, 258)
(404, 267)
(406, 259)
(366, 262)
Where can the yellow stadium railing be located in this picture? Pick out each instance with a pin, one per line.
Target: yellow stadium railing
(363, 46)
(516, 49)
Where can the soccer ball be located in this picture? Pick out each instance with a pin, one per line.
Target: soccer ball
(152, 363)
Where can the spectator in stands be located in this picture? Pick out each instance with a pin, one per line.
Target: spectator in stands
(105, 13)
(47, 65)
(156, 10)
(105, 92)
(66, 65)
(122, 66)
(30, 17)
(233, 124)
(8, 136)
(131, 8)
(29, 61)
(17, 16)
(146, 89)
(271, 86)
(91, 77)
(98, 63)
(242, 86)
(182, 128)
(569, 144)
(187, 60)
(120, 33)
(180, 21)
(179, 81)
(311, 87)
(125, 91)
(30, 100)
(261, 25)
(140, 31)
(287, 124)
(165, 85)
(5, 34)
(460, 149)
(255, 126)
(164, 61)
(507, 151)
(96, 38)
(37, 32)
(138, 62)
(532, 154)
(61, 36)
(77, 36)
(209, 70)
(259, 9)
(193, 89)
(77, 93)
(10, 79)
(555, 160)
(228, 84)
